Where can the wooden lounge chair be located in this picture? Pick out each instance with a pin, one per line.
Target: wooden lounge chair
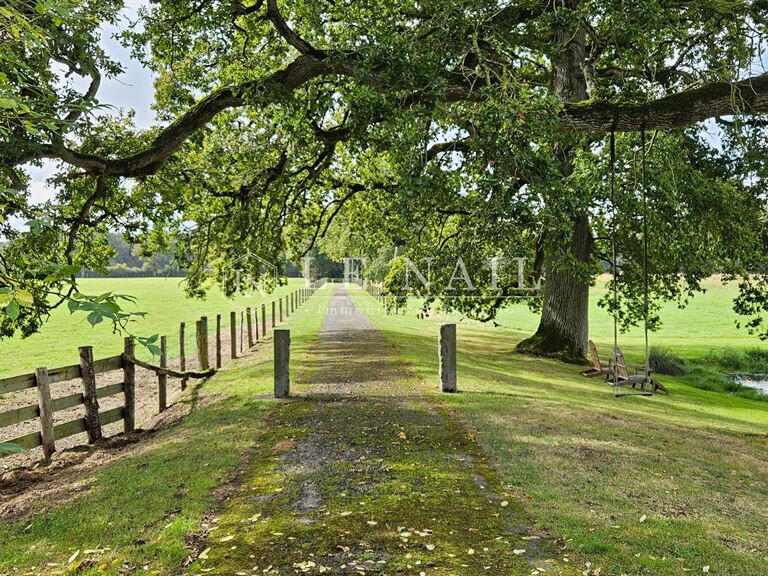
(638, 381)
(597, 368)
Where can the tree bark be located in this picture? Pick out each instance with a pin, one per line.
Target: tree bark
(564, 325)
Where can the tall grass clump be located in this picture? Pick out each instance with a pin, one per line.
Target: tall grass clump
(663, 361)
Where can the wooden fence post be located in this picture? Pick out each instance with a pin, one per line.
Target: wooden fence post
(202, 343)
(92, 424)
(287, 306)
(263, 320)
(162, 379)
(206, 352)
(46, 415)
(218, 341)
(293, 302)
(249, 324)
(129, 386)
(182, 353)
(282, 339)
(256, 322)
(273, 314)
(447, 354)
(233, 335)
(241, 331)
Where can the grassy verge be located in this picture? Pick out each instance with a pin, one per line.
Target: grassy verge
(663, 485)
(162, 299)
(138, 512)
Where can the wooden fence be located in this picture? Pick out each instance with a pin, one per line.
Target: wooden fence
(87, 369)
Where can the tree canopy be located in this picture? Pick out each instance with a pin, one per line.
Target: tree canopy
(445, 129)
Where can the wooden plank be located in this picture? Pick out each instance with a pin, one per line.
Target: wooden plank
(16, 383)
(79, 426)
(69, 428)
(18, 415)
(58, 404)
(111, 390)
(64, 373)
(28, 441)
(111, 416)
(108, 364)
(61, 374)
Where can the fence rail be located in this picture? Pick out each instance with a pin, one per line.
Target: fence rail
(88, 369)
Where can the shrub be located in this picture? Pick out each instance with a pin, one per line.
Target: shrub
(662, 361)
(751, 361)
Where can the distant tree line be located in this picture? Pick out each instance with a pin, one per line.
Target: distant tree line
(129, 262)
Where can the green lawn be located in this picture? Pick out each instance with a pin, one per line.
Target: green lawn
(707, 322)
(665, 485)
(162, 299)
(140, 511)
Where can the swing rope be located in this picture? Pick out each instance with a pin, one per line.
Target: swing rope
(614, 262)
(616, 272)
(645, 255)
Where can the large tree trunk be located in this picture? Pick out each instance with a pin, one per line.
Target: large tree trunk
(564, 325)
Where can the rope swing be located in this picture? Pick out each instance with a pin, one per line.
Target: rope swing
(644, 384)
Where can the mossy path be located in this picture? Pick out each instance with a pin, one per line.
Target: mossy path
(362, 472)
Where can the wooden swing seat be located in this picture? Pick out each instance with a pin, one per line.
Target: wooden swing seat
(643, 385)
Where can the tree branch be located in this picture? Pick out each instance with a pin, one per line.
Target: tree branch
(747, 97)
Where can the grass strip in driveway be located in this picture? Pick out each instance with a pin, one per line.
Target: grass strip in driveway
(360, 474)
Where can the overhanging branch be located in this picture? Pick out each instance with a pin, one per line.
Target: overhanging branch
(747, 97)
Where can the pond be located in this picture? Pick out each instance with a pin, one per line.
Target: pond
(757, 381)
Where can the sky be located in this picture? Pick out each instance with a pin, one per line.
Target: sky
(133, 89)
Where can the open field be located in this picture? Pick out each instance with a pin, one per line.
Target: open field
(162, 299)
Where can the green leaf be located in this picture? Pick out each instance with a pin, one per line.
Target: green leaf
(94, 318)
(12, 310)
(25, 298)
(73, 305)
(70, 270)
